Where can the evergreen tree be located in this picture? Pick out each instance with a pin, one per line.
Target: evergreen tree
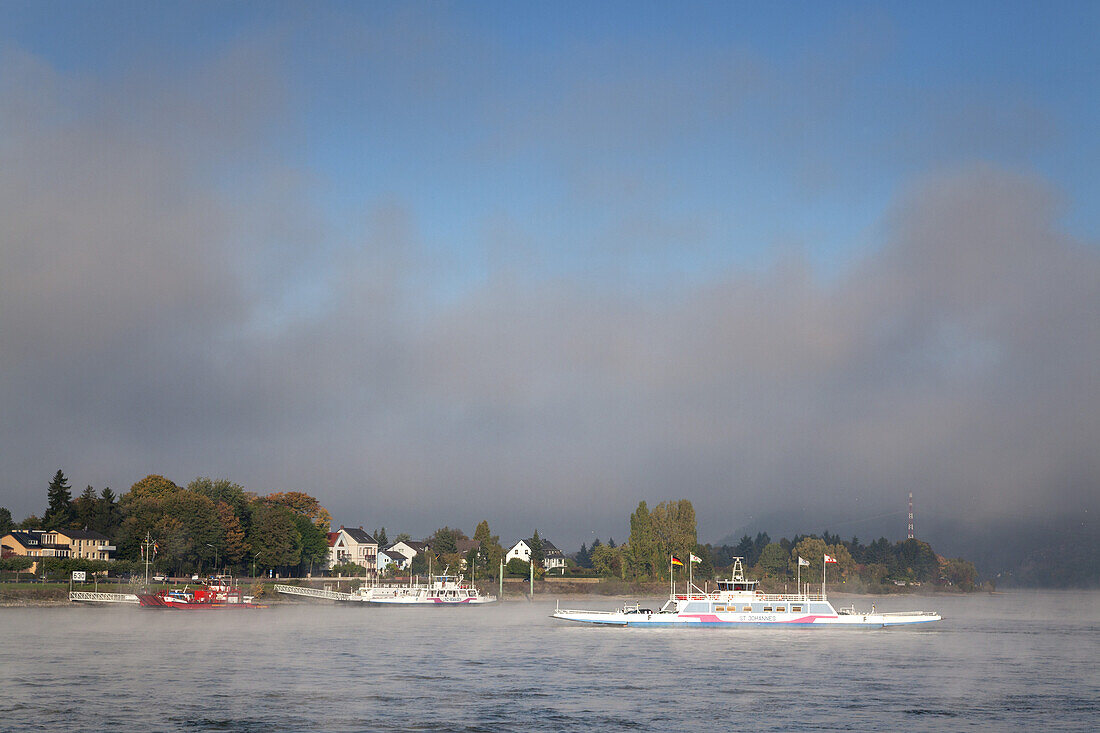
(107, 518)
(6, 523)
(583, 558)
(611, 543)
(490, 553)
(84, 509)
(383, 541)
(59, 513)
(537, 554)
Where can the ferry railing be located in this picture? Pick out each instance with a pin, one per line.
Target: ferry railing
(94, 597)
(766, 597)
(297, 590)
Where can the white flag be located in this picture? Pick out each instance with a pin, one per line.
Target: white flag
(696, 559)
(803, 562)
(830, 559)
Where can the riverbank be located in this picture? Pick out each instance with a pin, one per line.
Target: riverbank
(515, 589)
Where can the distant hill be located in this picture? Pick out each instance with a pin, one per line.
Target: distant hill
(1052, 553)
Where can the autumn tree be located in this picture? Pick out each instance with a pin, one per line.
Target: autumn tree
(305, 505)
(235, 545)
(152, 486)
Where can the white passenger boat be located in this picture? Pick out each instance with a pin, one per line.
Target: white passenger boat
(441, 589)
(738, 602)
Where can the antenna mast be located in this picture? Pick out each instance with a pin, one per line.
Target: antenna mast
(910, 515)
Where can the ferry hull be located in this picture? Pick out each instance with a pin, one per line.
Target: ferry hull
(653, 620)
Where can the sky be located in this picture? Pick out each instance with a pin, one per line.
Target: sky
(434, 263)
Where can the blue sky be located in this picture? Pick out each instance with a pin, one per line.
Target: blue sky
(462, 185)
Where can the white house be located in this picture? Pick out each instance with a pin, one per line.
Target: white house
(552, 557)
(407, 550)
(354, 545)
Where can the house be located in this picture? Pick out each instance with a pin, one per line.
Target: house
(407, 550)
(391, 558)
(552, 557)
(354, 545)
(86, 544)
(35, 543)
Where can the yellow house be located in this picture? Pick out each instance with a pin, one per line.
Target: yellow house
(85, 544)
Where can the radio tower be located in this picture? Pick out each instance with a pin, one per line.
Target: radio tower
(910, 515)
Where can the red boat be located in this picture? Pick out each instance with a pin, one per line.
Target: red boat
(215, 594)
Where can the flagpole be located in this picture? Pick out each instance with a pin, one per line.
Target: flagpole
(823, 577)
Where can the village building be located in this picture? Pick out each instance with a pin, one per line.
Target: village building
(406, 549)
(354, 545)
(36, 543)
(86, 544)
(552, 557)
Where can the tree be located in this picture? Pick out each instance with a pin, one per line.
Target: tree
(538, 555)
(6, 523)
(84, 509)
(152, 486)
(960, 573)
(59, 514)
(235, 547)
(607, 560)
(305, 505)
(583, 558)
(490, 552)
(518, 567)
(107, 516)
(314, 542)
(642, 548)
(773, 561)
(223, 490)
(275, 539)
(674, 527)
(445, 541)
(383, 541)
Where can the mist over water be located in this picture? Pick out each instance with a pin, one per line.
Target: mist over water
(1013, 661)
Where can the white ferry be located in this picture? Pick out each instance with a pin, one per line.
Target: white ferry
(441, 589)
(738, 602)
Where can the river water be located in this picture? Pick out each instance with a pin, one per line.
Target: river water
(1003, 662)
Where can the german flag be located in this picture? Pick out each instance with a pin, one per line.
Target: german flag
(676, 561)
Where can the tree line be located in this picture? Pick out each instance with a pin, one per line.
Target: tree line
(669, 530)
(206, 525)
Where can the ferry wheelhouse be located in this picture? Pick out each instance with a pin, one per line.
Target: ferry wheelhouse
(739, 602)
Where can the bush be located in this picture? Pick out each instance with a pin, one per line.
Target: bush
(349, 568)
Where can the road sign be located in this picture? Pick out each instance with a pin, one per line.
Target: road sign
(78, 575)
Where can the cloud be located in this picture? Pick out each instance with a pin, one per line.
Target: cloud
(154, 318)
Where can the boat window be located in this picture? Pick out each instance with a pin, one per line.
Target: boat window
(719, 609)
(780, 609)
(747, 609)
(767, 609)
(796, 609)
